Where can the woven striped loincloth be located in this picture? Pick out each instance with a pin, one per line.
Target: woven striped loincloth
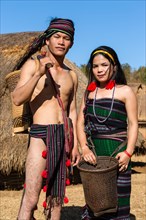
(53, 136)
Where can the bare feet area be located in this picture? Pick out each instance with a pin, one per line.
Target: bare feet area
(10, 200)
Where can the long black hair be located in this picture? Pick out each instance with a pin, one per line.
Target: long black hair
(111, 55)
(35, 46)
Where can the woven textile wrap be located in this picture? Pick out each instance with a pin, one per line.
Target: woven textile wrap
(21, 115)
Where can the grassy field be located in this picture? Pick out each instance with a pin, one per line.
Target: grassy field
(10, 200)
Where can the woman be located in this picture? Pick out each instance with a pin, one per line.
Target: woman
(108, 115)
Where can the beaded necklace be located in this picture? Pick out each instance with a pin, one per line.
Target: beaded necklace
(111, 108)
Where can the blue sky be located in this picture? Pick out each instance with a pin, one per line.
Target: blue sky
(120, 24)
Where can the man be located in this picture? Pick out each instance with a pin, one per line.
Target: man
(47, 131)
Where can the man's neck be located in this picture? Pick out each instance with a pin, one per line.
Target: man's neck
(57, 60)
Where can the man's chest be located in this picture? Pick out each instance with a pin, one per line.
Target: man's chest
(61, 85)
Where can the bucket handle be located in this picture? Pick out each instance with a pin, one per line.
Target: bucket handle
(115, 151)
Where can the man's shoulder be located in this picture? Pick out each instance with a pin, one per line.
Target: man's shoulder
(73, 75)
(29, 67)
(71, 71)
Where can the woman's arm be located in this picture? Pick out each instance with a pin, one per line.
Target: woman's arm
(87, 154)
(132, 114)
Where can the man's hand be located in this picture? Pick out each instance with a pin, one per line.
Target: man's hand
(75, 156)
(44, 63)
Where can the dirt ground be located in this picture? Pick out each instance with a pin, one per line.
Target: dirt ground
(10, 200)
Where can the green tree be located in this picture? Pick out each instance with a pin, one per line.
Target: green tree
(140, 75)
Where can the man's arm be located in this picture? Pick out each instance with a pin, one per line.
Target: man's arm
(26, 84)
(73, 116)
(31, 72)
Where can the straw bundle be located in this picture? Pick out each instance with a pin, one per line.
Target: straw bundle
(22, 117)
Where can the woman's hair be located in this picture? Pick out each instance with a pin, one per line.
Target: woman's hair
(111, 55)
(56, 25)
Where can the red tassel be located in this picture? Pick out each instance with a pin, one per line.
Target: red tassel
(92, 86)
(24, 186)
(44, 154)
(44, 204)
(66, 200)
(45, 189)
(44, 174)
(68, 163)
(110, 84)
(67, 182)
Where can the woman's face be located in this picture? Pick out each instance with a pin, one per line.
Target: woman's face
(102, 69)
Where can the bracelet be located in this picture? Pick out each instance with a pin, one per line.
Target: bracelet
(129, 155)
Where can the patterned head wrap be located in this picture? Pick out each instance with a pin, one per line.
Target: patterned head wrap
(56, 25)
(60, 25)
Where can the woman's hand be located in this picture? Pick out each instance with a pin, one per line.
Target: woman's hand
(88, 155)
(123, 161)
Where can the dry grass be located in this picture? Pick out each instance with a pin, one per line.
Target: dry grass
(10, 200)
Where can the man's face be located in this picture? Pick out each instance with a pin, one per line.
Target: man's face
(59, 44)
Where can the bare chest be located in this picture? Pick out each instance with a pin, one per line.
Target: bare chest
(46, 87)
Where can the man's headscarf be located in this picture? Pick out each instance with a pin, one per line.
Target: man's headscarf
(56, 25)
(61, 25)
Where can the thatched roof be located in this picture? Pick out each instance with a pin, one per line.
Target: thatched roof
(140, 91)
(13, 149)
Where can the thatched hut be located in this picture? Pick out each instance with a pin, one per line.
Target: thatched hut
(140, 91)
(13, 148)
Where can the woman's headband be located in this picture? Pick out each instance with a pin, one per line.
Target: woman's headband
(105, 52)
